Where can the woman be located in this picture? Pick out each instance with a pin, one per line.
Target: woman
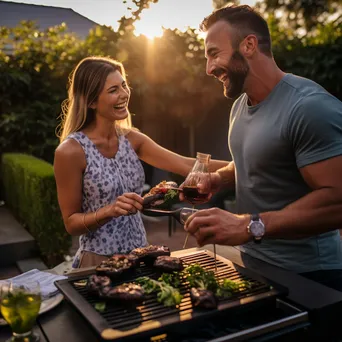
(97, 167)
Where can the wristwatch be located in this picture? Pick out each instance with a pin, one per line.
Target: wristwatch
(256, 228)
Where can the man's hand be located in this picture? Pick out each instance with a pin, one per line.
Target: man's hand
(217, 226)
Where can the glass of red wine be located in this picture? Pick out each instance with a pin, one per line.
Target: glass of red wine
(198, 175)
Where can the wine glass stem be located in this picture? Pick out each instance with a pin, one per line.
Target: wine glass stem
(187, 235)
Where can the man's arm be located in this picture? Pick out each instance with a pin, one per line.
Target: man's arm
(222, 178)
(318, 212)
(226, 176)
(315, 133)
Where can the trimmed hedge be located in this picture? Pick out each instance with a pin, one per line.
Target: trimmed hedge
(30, 192)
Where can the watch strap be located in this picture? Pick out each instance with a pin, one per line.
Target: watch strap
(255, 217)
(257, 239)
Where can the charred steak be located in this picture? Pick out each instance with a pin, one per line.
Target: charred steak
(127, 293)
(168, 263)
(117, 264)
(96, 283)
(203, 298)
(150, 253)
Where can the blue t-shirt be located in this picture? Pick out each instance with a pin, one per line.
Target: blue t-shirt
(299, 123)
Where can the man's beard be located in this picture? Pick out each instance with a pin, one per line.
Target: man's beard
(236, 72)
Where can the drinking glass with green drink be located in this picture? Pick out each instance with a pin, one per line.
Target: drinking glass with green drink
(20, 304)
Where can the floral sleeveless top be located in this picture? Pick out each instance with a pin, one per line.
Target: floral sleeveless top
(105, 179)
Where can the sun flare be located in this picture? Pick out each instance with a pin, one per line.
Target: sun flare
(149, 31)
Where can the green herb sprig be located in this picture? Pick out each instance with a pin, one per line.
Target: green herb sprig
(166, 294)
(200, 278)
(172, 279)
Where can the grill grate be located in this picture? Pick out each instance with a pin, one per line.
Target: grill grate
(154, 316)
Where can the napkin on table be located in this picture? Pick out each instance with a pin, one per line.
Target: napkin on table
(45, 279)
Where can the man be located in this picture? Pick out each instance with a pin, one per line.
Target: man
(285, 139)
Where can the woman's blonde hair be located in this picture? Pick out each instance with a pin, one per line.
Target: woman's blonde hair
(86, 82)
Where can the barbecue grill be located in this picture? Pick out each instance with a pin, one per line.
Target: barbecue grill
(152, 318)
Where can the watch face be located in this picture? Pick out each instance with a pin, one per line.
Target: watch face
(257, 228)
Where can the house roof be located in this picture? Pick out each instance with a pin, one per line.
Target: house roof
(11, 13)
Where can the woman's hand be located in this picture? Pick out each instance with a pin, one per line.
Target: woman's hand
(127, 204)
(206, 187)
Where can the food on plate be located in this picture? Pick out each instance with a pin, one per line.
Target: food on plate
(129, 293)
(168, 264)
(161, 196)
(150, 253)
(96, 283)
(203, 298)
(117, 265)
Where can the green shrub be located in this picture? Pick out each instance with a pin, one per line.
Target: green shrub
(30, 192)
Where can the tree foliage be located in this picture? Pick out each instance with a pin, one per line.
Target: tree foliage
(167, 75)
(222, 3)
(306, 14)
(136, 7)
(33, 65)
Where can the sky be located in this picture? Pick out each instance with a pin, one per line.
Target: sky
(167, 13)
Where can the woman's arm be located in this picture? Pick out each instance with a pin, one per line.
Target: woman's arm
(162, 158)
(69, 166)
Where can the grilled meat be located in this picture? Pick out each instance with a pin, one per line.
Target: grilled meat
(150, 253)
(117, 265)
(168, 263)
(203, 298)
(161, 196)
(96, 283)
(125, 293)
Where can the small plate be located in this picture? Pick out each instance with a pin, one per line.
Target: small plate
(46, 305)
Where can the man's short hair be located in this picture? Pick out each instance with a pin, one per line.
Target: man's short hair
(245, 20)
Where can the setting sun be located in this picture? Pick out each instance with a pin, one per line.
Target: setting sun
(166, 14)
(151, 31)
